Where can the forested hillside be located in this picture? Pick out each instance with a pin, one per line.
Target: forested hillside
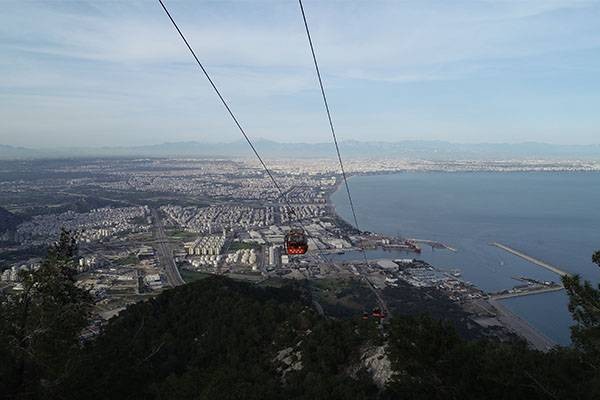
(222, 339)
(218, 338)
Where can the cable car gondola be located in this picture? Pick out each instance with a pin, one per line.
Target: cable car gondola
(295, 242)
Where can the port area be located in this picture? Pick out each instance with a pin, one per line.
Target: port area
(414, 286)
(413, 245)
(527, 287)
(434, 244)
(483, 309)
(373, 240)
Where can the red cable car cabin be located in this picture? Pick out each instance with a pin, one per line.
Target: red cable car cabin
(295, 242)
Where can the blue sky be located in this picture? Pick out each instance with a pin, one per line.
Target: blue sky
(116, 73)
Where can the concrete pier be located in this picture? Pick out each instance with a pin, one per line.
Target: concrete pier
(532, 260)
(433, 243)
(500, 296)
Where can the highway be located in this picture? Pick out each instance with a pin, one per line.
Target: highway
(165, 254)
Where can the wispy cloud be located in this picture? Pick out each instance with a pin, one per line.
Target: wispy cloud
(108, 56)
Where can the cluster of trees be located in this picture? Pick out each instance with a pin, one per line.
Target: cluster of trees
(222, 339)
(219, 339)
(433, 362)
(40, 325)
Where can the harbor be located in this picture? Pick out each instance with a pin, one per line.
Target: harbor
(434, 244)
(528, 287)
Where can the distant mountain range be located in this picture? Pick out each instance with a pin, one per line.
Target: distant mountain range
(410, 149)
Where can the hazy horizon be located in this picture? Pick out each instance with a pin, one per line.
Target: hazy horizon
(352, 149)
(325, 141)
(90, 74)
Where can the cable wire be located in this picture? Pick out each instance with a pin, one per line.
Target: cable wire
(335, 141)
(241, 129)
(380, 299)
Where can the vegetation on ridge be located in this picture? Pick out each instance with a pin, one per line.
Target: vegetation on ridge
(218, 338)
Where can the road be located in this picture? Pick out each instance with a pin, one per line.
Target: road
(165, 254)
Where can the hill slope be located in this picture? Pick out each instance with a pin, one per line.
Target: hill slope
(222, 339)
(219, 338)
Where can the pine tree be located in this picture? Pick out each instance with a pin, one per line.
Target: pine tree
(584, 305)
(40, 324)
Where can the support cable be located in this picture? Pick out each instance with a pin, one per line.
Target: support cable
(241, 129)
(335, 141)
(380, 300)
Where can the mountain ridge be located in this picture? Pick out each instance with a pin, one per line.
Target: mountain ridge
(409, 149)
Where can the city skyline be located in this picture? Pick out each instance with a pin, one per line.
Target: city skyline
(116, 74)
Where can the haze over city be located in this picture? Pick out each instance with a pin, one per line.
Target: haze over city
(292, 200)
(115, 73)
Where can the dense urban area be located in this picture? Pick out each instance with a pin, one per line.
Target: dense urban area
(198, 245)
(144, 225)
(299, 200)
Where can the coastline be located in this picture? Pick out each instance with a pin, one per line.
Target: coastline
(522, 327)
(330, 204)
(504, 315)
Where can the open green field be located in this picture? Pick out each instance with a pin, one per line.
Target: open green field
(191, 276)
(178, 234)
(129, 260)
(343, 298)
(14, 255)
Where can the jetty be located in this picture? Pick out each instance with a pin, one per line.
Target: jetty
(434, 244)
(524, 292)
(532, 260)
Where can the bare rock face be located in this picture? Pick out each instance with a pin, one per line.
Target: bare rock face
(288, 360)
(377, 363)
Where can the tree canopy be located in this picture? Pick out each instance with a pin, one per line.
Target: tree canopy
(222, 339)
(41, 323)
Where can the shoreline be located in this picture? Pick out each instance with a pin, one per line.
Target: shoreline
(330, 204)
(522, 327)
(509, 319)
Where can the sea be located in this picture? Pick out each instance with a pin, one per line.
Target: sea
(551, 216)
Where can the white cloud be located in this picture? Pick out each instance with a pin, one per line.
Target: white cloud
(100, 58)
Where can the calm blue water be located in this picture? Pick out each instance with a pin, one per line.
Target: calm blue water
(551, 216)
